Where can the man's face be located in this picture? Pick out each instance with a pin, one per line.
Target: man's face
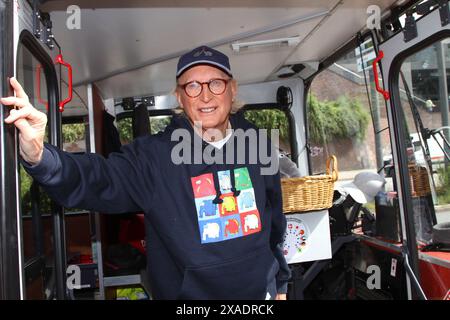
(212, 110)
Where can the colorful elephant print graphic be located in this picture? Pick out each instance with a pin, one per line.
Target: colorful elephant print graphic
(246, 200)
(203, 185)
(242, 179)
(228, 205)
(251, 222)
(236, 216)
(224, 181)
(207, 209)
(231, 227)
(211, 230)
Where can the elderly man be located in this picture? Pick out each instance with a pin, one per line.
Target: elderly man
(202, 243)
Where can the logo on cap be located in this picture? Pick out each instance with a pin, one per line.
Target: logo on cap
(203, 50)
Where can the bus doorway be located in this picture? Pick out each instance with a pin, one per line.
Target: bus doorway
(303, 68)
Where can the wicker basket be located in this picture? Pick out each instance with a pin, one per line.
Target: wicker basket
(310, 192)
(420, 183)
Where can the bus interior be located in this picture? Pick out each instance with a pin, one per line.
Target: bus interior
(366, 81)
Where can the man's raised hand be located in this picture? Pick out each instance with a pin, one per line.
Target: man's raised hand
(30, 122)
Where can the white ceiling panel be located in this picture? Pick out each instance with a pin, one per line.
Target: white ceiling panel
(130, 48)
(115, 39)
(248, 66)
(348, 18)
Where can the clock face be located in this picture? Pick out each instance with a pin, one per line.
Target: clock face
(295, 238)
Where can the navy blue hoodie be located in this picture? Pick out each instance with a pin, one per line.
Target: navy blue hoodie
(212, 231)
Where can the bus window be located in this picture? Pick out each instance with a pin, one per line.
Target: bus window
(74, 137)
(423, 85)
(125, 126)
(159, 123)
(35, 204)
(346, 117)
(272, 119)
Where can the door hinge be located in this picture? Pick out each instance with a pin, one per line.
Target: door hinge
(410, 29)
(443, 12)
(42, 26)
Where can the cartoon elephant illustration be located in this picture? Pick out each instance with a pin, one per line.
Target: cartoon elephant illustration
(251, 222)
(207, 209)
(203, 185)
(242, 178)
(247, 200)
(231, 227)
(225, 182)
(228, 205)
(210, 230)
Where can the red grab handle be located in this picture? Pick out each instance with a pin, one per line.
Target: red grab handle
(38, 89)
(60, 60)
(375, 74)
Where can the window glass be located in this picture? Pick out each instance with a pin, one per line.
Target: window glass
(343, 120)
(346, 117)
(423, 84)
(272, 119)
(37, 228)
(159, 123)
(125, 126)
(424, 92)
(74, 141)
(31, 75)
(74, 137)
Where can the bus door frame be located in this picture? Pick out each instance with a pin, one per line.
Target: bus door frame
(395, 49)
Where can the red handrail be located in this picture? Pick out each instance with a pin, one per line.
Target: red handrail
(38, 82)
(375, 74)
(59, 59)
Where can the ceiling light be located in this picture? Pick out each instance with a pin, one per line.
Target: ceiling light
(289, 42)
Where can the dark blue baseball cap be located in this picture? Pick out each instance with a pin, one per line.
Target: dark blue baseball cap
(203, 55)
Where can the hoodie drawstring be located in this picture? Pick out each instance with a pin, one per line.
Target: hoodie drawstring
(236, 192)
(217, 199)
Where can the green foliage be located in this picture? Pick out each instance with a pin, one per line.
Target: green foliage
(73, 132)
(158, 124)
(443, 191)
(270, 119)
(25, 195)
(343, 118)
(25, 185)
(124, 126)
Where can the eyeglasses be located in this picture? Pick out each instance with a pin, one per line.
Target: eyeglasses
(194, 88)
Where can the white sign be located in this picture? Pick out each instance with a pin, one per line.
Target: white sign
(367, 59)
(393, 267)
(307, 237)
(368, 55)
